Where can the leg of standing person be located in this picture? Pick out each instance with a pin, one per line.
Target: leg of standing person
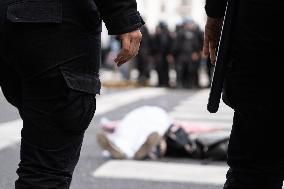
(50, 73)
(196, 73)
(10, 84)
(185, 74)
(179, 73)
(142, 68)
(54, 121)
(160, 68)
(44, 146)
(190, 74)
(209, 70)
(255, 154)
(164, 72)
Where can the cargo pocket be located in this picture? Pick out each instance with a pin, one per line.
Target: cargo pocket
(79, 103)
(84, 82)
(35, 11)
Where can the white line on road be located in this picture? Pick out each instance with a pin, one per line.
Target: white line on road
(194, 109)
(162, 172)
(175, 172)
(110, 102)
(200, 116)
(10, 131)
(201, 108)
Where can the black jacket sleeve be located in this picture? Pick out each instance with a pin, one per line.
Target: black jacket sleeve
(120, 16)
(215, 8)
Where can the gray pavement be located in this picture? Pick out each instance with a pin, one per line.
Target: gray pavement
(7, 112)
(93, 171)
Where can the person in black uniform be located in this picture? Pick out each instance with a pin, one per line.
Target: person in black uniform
(143, 57)
(161, 49)
(186, 49)
(49, 70)
(255, 153)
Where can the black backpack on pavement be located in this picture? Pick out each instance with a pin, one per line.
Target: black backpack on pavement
(212, 145)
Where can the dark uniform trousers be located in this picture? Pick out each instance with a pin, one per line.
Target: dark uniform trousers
(255, 153)
(256, 148)
(49, 70)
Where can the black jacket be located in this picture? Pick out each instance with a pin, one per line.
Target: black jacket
(120, 16)
(39, 35)
(252, 77)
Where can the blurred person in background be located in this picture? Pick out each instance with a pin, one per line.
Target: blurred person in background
(187, 52)
(161, 50)
(114, 47)
(209, 70)
(252, 89)
(49, 70)
(143, 59)
(112, 52)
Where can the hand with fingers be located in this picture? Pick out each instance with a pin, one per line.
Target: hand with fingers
(130, 46)
(212, 34)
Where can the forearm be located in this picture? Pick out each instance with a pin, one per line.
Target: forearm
(120, 16)
(215, 8)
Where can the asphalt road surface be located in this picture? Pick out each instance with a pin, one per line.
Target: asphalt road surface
(95, 172)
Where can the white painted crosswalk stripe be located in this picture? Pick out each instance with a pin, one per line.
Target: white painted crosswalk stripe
(200, 108)
(194, 109)
(110, 102)
(10, 132)
(197, 116)
(162, 172)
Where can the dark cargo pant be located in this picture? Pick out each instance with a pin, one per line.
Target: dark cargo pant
(255, 153)
(49, 67)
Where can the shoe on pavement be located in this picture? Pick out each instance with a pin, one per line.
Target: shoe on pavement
(106, 144)
(151, 142)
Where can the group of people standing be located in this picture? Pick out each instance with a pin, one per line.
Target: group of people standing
(180, 50)
(165, 50)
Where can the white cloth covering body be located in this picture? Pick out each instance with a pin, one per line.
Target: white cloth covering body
(133, 130)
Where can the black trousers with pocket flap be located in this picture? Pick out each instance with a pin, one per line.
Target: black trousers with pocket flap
(49, 65)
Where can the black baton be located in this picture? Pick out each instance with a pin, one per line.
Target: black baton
(223, 57)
